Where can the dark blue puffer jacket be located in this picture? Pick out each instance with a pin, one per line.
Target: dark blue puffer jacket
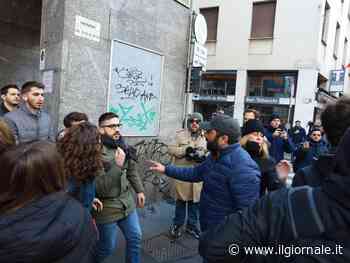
(230, 183)
(278, 145)
(55, 229)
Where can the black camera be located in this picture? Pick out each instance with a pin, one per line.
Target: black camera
(194, 155)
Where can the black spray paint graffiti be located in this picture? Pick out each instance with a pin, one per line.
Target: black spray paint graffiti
(133, 84)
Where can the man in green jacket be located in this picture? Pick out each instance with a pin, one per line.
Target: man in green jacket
(114, 189)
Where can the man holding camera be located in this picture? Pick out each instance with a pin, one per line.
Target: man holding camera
(278, 137)
(190, 149)
(310, 150)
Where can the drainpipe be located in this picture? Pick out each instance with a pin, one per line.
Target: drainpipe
(189, 66)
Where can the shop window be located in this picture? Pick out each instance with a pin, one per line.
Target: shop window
(266, 84)
(218, 85)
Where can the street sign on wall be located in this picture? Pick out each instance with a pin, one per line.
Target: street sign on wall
(87, 28)
(200, 55)
(135, 88)
(267, 100)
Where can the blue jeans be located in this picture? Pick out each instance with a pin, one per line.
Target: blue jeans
(130, 226)
(180, 213)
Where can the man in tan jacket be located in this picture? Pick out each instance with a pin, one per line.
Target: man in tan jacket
(190, 149)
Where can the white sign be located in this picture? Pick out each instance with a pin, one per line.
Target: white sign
(200, 29)
(135, 88)
(87, 28)
(48, 81)
(42, 59)
(337, 81)
(200, 55)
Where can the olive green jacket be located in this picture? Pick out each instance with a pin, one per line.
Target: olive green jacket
(114, 189)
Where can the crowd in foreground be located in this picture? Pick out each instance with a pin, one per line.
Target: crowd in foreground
(63, 196)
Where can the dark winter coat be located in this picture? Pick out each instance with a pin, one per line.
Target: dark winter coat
(278, 218)
(55, 229)
(3, 110)
(278, 145)
(84, 192)
(230, 183)
(314, 174)
(298, 135)
(115, 187)
(269, 177)
(304, 157)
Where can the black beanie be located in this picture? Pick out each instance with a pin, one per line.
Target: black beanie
(252, 126)
(274, 116)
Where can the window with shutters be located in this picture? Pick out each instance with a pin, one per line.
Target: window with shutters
(263, 20)
(211, 16)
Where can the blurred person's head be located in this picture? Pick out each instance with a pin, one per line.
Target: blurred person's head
(298, 124)
(253, 139)
(316, 135)
(251, 114)
(29, 172)
(275, 121)
(109, 125)
(74, 118)
(336, 119)
(32, 93)
(220, 132)
(81, 150)
(194, 121)
(10, 95)
(6, 137)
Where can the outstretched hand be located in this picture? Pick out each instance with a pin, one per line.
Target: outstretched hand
(156, 167)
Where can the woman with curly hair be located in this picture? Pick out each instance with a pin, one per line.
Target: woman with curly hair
(81, 150)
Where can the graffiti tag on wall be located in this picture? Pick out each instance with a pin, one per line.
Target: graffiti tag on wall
(135, 89)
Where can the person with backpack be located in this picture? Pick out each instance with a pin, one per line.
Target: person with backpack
(335, 120)
(316, 221)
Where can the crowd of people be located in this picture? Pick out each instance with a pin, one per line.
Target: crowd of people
(64, 194)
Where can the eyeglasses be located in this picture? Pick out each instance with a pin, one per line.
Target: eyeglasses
(195, 121)
(113, 126)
